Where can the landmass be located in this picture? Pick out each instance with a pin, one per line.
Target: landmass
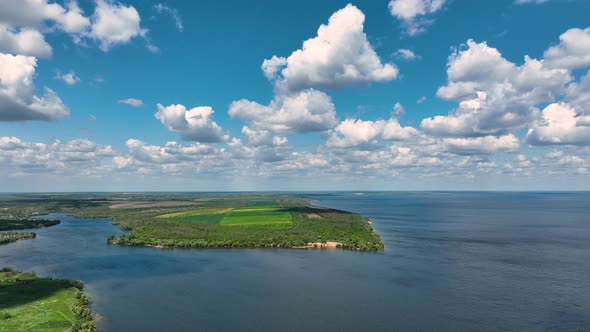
(10, 221)
(9, 237)
(185, 220)
(31, 303)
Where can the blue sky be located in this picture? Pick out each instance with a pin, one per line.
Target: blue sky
(267, 95)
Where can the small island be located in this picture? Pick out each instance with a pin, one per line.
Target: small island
(31, 303)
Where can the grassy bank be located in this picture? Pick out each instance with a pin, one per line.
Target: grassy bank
(30, 303)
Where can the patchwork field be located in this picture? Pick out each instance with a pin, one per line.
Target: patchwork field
(230, 216)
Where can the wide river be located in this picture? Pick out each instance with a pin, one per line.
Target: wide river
(452, 261)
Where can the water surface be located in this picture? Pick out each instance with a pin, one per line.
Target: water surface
(453, 261)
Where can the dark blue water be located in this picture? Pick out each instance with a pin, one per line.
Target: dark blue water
(453, 261)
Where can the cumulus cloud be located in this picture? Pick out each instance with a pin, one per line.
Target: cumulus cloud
(363, 135)
(560, 124)
(495, 96)
(39, 13)
(270, 67)
(25, 41)
(414, 14)
(481, 145)
(573, 50)
(18, 98)
(393, 131)
(115, 23)
(23, 24)
(132, 102)
(70, 77)
(192, 125)
(306, 111)
(578, 94)
(339, 56)
(354, 133)
(262, 137)
(28, 157)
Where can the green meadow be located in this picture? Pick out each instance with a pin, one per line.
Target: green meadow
(30, 303)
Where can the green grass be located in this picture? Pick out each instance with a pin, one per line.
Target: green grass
(259, 215)
(194, 213)
(30, 303)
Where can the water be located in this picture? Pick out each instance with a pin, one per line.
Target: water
(453, 261)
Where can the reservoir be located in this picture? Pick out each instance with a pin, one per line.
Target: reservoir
(452, 261)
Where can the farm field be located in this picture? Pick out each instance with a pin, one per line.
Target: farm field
(230, 216)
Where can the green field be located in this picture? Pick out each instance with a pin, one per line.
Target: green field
(254, 214)
(30, 303)
(257, 215)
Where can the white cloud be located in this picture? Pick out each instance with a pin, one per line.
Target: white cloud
(578, 94)
(39, 13)
(74, 155)
(413, 13)
(132, 102)
(306, 111)
(161, 8)
(481, 145)
(262, 137)
(521, 2)
(393, 131)
(406, 54)
(339, 56)
(115, 23)
(25, 41)
(573, 50)
(18, 98)
(495, 96)
(357, 134)
(271, 66)
(192, 125)
(560, 125)
(362, 135)
(398, 109)
(70, 77)
(25, 22)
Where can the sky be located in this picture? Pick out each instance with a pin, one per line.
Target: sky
(108, 95)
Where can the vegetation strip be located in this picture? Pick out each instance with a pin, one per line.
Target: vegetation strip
(29, 223)
(9, 237)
